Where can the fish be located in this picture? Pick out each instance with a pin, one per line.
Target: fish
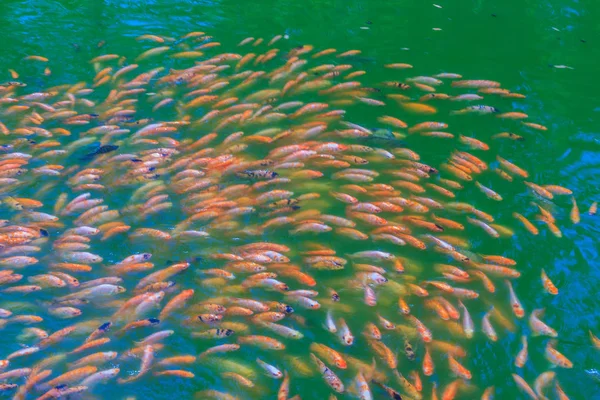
(548, 285)
(104, 149)
(555, 357)
(487, 327)
(595, 340)
(524, 387)
(522, 356)
(203, 163)
(574, 214)
(542, 381)
(539, 327)
(514, 301)
(428, 366)
(328, 375)
(392, 394)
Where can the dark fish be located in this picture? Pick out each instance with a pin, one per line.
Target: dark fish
(107, 148)
(391, 392)
(258, 174)
(13, 83)
(408, 350)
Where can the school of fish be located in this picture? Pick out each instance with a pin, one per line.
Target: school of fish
(235, 179)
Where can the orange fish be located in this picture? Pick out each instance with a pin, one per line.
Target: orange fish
(427, 363)
(548, 285)
(557, 358)
(458, 369)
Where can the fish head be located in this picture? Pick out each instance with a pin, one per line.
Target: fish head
(282, 287)
(348, 339)
(73, 281)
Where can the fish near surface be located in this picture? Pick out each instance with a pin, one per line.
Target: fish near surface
(247, 207)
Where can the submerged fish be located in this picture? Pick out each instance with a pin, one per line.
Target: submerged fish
(100, 150)
(247, 207)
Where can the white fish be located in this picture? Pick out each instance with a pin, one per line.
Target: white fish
(562, 67)
(272, 371)
(329, 323)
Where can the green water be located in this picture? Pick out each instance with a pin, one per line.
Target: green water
(512, 42)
